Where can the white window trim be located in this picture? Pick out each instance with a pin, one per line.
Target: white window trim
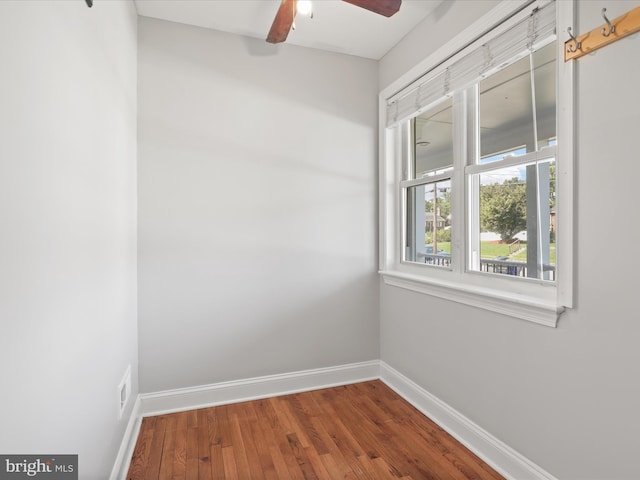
(526, 299)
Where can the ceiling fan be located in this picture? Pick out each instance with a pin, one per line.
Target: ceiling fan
(284, 17)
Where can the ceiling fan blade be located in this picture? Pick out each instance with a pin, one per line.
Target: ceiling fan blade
(381, 7)
(282, 22)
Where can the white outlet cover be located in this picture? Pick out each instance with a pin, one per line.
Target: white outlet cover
(124, 391)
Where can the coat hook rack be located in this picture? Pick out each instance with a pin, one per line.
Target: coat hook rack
(609, 32)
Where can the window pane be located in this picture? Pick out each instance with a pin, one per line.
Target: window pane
(517, 221)
(509, 124)
(544, 61)
(433, 140)
(429, 223)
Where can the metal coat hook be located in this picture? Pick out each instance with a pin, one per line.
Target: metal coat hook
(89, 3)
(612, 28)
(576, 44)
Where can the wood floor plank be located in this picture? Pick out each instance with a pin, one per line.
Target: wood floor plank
(300, 454)
(214, 426)
(191, 466)
(279, 464)
(341, 434)
(289, 420)
(316, 463)
(248, 424)
(180, 447)
(331, 466)
(385, 470)
(288, 454)
(369, 434)
(215, 443)
(229, 459)
(266, 413)
(334, 461)
(239, 451)
(272, 430)
(362, 431)
(264, 458)
(217, 462)
(345, 447)
(204, 448)
(152, 470)
(166, 463)
(192, 419)
(374, 469)
(420, 459)
(142, 450)
(297, 405)
(224, 425)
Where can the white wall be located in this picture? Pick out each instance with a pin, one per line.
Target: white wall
(257, 221)
(566, 398)
(68, 242)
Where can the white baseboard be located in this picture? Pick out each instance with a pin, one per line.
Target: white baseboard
(495, 453)
(182, 399)
(123, 459)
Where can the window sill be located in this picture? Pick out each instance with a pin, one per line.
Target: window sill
(518, 306)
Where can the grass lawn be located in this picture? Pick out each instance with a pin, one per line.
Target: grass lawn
(444, 246)
(522, 256)
(493, 250)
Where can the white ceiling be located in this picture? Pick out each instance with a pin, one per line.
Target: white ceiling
(336, 26)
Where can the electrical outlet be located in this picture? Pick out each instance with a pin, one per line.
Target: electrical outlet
(124, 391)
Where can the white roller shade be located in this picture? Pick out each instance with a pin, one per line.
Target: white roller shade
(526, 36)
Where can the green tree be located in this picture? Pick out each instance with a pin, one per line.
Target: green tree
(503, 208)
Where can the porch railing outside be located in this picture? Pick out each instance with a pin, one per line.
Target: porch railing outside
(504, 267)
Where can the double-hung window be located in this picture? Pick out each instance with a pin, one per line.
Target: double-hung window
(473, 165)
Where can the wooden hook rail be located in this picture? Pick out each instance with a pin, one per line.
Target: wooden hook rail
(607, 33)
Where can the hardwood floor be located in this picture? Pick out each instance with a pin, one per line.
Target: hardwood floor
(359, 431)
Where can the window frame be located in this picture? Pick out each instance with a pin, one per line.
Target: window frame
(529, 299)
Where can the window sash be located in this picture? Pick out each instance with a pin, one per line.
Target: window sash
(472, 175)
(426, 180)
(512, 160)
(409, 226)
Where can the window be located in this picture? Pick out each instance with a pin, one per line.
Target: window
(470, 177)
(429, 166)
(512, 180)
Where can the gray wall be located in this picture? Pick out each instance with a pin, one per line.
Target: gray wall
(257, 220)
(68, 216)
(566, 398)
